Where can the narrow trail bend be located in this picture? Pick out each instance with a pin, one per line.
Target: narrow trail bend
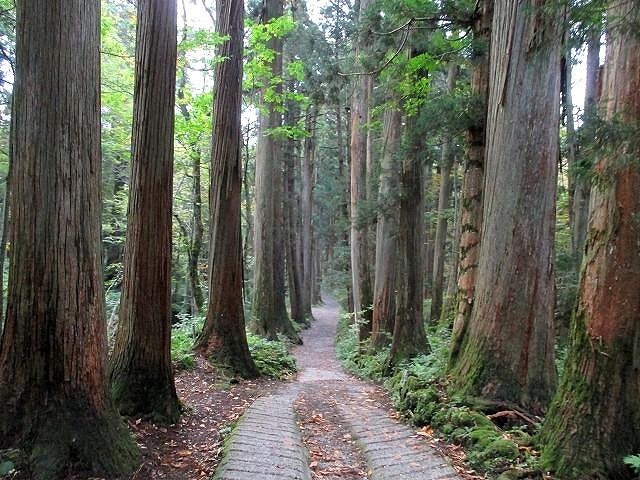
(327, 424)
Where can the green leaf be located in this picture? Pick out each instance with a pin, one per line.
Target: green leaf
(6, 468)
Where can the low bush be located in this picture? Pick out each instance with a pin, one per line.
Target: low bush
(418, 390)
(272, 357)
(183, 335)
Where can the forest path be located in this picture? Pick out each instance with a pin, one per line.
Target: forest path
(327, 424)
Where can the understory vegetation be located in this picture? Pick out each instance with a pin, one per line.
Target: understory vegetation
(497, 440)
(272, 357)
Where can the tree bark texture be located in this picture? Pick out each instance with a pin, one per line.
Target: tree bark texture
(53, 369)
(473, 180)
(269, 308)
(439, 252)
(140, 367)
(385, 286)
(360, 271)
(223, 338)
(594, 420)
(292, 212)
(307, 210)
(507, 353)
(449, 305)
(409, 338)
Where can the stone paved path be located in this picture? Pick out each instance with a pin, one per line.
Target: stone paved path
(267, 443)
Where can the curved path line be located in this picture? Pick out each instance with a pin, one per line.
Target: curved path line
(267, 444)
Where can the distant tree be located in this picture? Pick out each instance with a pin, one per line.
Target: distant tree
(269, 309)
(53, 370)
(140, 366)
(594, 420)
(361, 277)
(223, 338)
(409, 337)
(507, 353)
(439, 251)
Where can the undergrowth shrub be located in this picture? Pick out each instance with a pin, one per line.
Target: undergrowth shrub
(418, 390)
(183, 334)
(357, 357)
(272, 357)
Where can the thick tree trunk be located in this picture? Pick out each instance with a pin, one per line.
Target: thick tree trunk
(409, 338)
(360, 270)
(594, 420)
(307, 211)
(507, 352)
(140, 367)
(385, 287)
(270, 316)
(582, 185)
(473, 180)
(223, 338)
(439, 253)
(53, 379)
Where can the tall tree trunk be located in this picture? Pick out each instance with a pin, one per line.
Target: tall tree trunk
(409, 338)
(140, 367)
(307, 210)
(582, 186)
(6, 211)
(430, 234)
(507, 354)
(384, 304)
(53, 379)
(594, 420)
(473, 180)
(317, 274)
(294, 268)
(361, 276)
(223, 337)
(196, 237)
(451, 295)
(439, 253)
(269, 307)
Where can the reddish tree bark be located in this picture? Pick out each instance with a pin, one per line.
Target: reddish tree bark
(140, 367)
(473, 181)
(507, 352)
(53, 379)
(223, 338)
(594, 420)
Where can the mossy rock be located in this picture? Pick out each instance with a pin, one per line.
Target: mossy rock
(521, 438)
(498, 453)
(482, 437)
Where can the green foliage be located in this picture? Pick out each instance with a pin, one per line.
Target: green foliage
(356, 356)
(183, 335)
(634, 462)
(271, 357)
